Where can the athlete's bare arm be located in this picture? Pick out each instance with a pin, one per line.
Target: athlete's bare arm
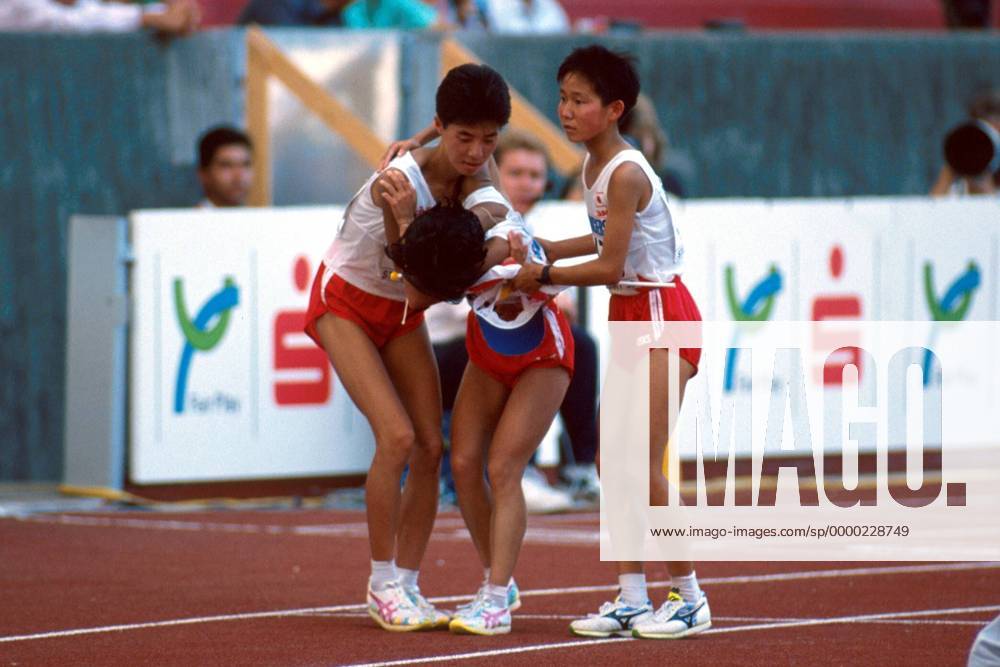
(627, 187)
(578, 246)
(394, 194)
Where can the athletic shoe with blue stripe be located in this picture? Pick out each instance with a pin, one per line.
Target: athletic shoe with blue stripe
(613, 618)
(676, 619)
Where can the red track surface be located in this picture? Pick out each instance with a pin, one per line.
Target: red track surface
(298, 580)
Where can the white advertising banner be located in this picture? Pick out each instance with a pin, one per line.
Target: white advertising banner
(882, 259)
(224, 384)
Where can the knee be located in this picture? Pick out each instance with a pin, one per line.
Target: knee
(505, 474)
(427, 455)
(395, 447)
(465, 467)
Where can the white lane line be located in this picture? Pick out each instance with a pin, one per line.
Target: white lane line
(598, 642)
(864, 618)
(787, 576)
(181, 621)
(781, 576)
(446, 529)
(497, 652)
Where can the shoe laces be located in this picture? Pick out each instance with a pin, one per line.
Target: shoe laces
(418, 599)
(609, 607)
(477, 600)
(670, 607)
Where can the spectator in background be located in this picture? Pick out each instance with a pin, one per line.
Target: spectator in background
(178, 17)
(463, 14)
(964, 14)
(984, 107)
(526, 17)
(523, 164)
(294, 12)
(405, 14)
(641, 128)
(225, 167)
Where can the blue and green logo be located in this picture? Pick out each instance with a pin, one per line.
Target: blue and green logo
(756, 307)
(197, 333)
(953, 306)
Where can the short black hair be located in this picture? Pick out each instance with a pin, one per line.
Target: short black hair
(471, 94)
(217, 137)
(611, 73)
(442, 251)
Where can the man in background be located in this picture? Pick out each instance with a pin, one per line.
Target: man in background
(176, 17)
(225, 167)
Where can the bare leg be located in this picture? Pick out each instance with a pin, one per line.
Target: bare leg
(659, 435)
(529, 412)
(478, 406)
(363, 374)
(411, 366)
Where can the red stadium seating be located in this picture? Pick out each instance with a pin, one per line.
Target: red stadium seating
(695, 14)
(220, 12)
(771, 14)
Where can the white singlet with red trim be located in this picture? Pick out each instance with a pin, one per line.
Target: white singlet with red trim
(655, 249)
(357, 253)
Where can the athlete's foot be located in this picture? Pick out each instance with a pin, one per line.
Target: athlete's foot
(482, 618)
(436, 618)
(613, 619)
(676, 619)
(394, 610)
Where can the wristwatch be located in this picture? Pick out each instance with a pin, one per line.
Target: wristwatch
(544, 279)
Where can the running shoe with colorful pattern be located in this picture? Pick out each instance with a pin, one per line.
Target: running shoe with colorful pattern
(394, 610)
(436, 618)
(484, 618)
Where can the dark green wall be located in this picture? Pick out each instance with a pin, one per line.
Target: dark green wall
(788, 115)
(107, 124)
(87, 125)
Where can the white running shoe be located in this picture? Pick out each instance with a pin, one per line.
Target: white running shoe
(513, 597)
(394, 610)
(613, 618)
(436, 618)
(483, 618)
(676, 619)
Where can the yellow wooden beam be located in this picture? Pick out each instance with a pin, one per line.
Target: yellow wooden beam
(566, 158)
(257, 125)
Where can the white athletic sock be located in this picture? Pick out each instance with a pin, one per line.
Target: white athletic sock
(688, 586)
(407, 577)
(383, 574)
(633, 588)
(497, 595)
(486, 577)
